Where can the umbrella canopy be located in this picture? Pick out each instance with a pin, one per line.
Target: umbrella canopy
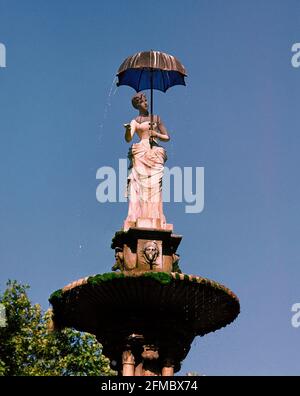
(151, 70)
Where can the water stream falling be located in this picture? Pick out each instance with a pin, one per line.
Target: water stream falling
(112, 91)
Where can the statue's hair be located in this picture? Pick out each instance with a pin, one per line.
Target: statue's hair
(151, 243)
(136, 99)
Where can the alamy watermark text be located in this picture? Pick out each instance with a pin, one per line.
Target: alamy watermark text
(2, 55)
(296, 317)
(187, 186)
(295, 60)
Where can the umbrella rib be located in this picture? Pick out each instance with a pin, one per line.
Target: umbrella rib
(163, 78)
(138, 86)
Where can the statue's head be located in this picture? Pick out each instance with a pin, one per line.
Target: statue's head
(138, 99)
(118, 251)
(151, 251)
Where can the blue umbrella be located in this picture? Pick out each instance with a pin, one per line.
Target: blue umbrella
(151, 70)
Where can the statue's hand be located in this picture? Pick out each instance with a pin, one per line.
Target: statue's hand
(127, 127)
(128, 132)
(153, 134)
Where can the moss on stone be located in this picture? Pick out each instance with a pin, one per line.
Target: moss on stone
(56, 295)
(161, 277)
(108, 276)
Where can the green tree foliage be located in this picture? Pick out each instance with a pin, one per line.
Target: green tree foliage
(29, 347)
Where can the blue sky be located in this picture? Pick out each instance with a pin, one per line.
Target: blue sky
(61, 119)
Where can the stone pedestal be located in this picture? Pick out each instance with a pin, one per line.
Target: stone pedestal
(146, 249)
(147, 222)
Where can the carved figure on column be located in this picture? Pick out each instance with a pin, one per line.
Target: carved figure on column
(151, 252)
(119, 256)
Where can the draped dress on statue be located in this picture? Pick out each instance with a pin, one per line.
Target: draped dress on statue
(144, 182)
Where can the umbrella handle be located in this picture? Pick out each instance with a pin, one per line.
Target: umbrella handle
(151, 123)
(151, 109)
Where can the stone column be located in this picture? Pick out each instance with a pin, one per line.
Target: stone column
(169, 359)
(139, 371)
(128, 363)
(167, 371)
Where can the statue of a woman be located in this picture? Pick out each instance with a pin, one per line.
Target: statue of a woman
(147, 158)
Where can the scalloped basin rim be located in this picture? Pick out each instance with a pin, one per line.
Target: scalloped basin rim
(162, 277)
